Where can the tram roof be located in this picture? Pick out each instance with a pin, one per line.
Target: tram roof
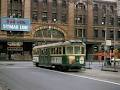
(59, 44)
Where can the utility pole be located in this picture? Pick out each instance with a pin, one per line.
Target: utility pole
(115, 21)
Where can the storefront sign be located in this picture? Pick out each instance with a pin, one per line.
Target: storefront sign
(15, 43)
(15, 46)
(15, 24)
(108, 42)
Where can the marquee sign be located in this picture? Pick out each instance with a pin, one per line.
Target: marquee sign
(15, 24)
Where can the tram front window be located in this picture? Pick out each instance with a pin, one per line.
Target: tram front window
(69, 50)
(77, 50)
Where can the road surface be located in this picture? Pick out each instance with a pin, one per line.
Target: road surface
(24, 76)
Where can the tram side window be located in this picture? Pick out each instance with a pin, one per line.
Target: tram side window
(82, 49)
(38, 51)
(59, 50)
(69, 50)
(42, 51)
(77, 50)
(52, 51)
(63, 50)
(35, 51)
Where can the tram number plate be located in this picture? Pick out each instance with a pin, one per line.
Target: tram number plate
(56, 60)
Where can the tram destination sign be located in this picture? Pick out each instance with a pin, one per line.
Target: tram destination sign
(15, 24)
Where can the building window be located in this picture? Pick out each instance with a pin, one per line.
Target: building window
(64, 18)
(103, 33)
(15, 9)
(80, 6)
(111, 20)
(79, 33)
(118, 34)
(95, 20)
(84, 19)
(54, 17)
(78, 19)
(112, 9)
(44, 16)
(34, 15)
(95, 33)
(45, 2)
(95, 7)
(54, 3)
(111, 34)
(104, 9)
(118, 21)
(103, 20)
(64, 4)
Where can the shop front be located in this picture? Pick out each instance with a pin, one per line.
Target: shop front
(19, 50)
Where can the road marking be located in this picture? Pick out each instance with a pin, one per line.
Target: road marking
(16, 67)
(91, 78)
(96, 79)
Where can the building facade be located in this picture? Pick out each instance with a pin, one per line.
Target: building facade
(92, 21)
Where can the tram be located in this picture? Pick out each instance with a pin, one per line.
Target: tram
(61, 56)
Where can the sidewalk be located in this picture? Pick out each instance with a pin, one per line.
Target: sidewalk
(100, 66)
(96, 72)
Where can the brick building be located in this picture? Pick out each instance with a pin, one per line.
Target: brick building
(57, 20)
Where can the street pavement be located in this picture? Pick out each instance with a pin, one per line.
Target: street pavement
(98, 70)
(93, 70)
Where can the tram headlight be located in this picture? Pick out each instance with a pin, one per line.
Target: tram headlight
(71, 59)
(81, 60)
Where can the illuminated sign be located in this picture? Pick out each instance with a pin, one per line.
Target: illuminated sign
(15, 24)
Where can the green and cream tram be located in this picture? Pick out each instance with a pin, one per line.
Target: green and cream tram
(62, 55)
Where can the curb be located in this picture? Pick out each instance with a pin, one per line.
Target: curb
(109, 70)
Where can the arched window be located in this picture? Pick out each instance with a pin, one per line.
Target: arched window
(48, 33)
